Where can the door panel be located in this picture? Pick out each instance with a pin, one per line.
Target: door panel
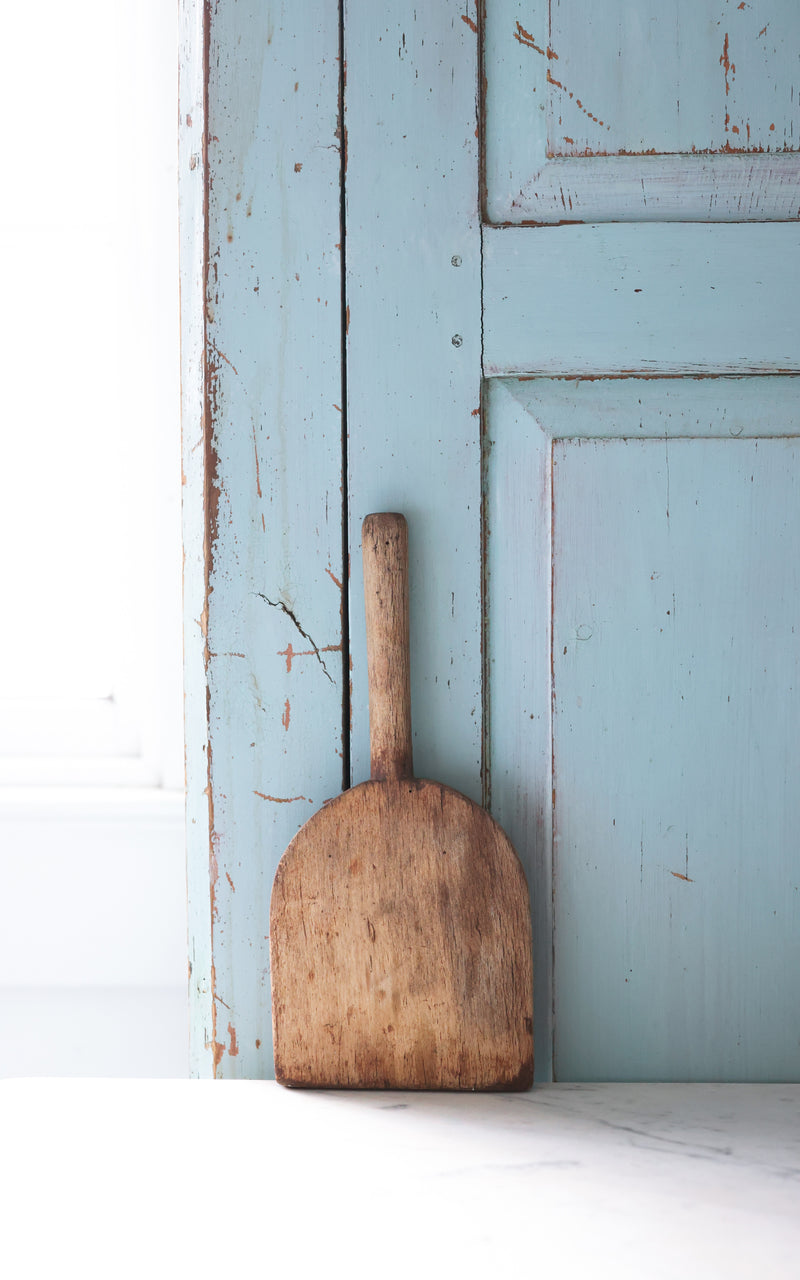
(643, 619)
(640, 531)
(682, 111)
(676, 700)
(503, 385)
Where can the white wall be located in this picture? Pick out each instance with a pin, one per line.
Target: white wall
(93, 944)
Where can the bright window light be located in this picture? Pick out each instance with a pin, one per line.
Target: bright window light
(89, 521)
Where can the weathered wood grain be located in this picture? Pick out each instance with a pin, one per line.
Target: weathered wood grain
(399, 925)
(400, 941)
(260, 168)
(385, 554)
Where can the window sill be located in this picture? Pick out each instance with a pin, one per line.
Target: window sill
(92, 804)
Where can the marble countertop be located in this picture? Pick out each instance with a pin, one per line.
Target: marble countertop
(174, 1178)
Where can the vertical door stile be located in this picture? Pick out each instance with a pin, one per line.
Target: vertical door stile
(413, 355)
(262, 424)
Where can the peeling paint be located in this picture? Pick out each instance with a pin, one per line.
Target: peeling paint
(280, 604)
(289, 653)
(525, 38)
(280, 799)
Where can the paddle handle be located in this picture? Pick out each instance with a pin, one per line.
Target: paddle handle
(384, 541)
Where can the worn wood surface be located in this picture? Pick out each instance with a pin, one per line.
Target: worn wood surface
(385, 555)
(681, 111)
(432, 304)
(399, 927)
(260, 170)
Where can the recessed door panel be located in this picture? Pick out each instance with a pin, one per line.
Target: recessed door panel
(676, 648)
(684, 111)
(643, 651)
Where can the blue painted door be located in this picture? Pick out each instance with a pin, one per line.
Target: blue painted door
(528, 274)
(641, 267)
(596, 258)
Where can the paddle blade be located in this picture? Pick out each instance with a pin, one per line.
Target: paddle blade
(400, 946)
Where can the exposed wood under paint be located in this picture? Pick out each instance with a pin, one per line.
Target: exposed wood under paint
(263, 465)
(675, 112)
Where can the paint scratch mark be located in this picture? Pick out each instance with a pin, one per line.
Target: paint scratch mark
(258, 468)
(729, 69)
(290, 653)
(525, 38)
(280, 799)
(334, 579)
(470, 23)
(234, 1049)
(287, 715)
(230, 882)
(279, 604)
(213, 868)
(222, 356)
(680, 876)
(552, 80)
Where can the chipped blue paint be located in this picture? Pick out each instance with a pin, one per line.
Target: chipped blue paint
(263, 509)
(683, 111)
(564, 333)
(644, 687)
(414, 349)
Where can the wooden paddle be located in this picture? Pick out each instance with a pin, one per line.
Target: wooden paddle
(400, 937)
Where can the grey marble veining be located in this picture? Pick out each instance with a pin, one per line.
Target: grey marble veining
(646, 1182)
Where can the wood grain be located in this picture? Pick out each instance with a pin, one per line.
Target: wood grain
(385, 552)
(400, 934)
